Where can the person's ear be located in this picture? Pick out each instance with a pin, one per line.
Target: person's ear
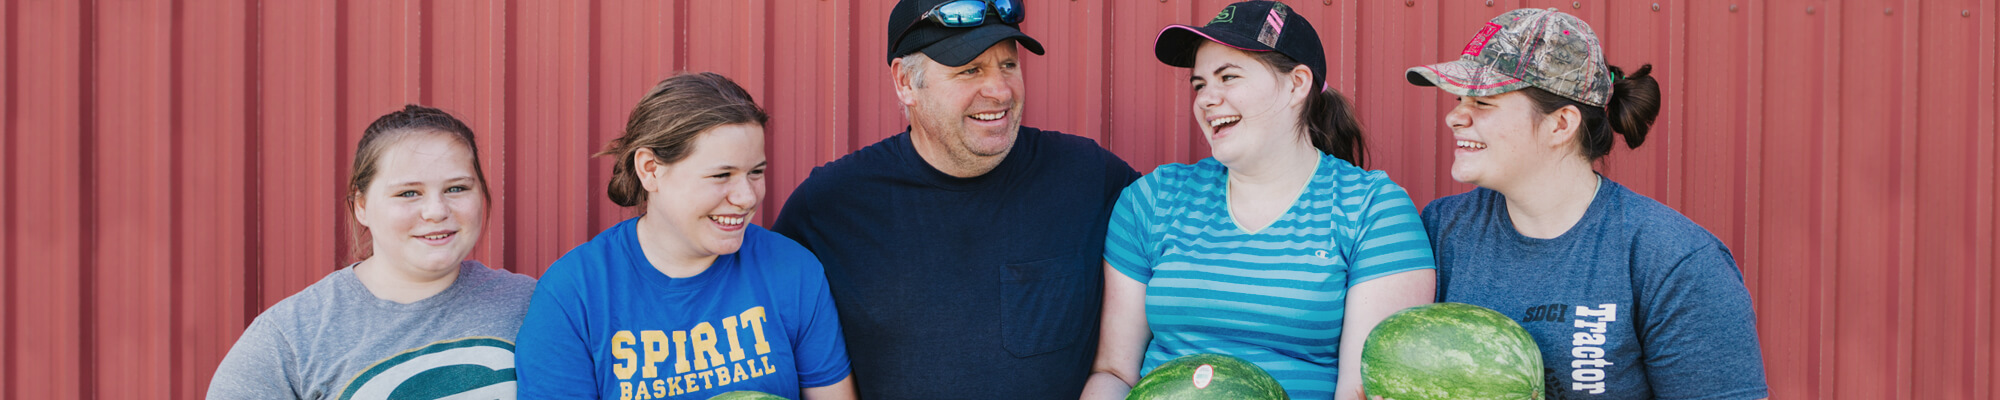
(1563, 125)
(652, 173)
(906, 85)
(1301, 78)
(360, 208)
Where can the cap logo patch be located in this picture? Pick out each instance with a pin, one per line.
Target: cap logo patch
(1478, 43)
(1274, 24)
(1227, 15)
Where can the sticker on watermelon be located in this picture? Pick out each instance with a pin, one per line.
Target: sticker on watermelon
(1207, 376)
(1451, 351)
(1203, 375)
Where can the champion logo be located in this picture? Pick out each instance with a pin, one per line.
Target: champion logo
(1203, 375)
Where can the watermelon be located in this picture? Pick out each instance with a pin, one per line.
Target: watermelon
(1207, 376)
(1451, 351)
(747, 395)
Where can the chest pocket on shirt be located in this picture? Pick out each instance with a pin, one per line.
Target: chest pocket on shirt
(1046, 305)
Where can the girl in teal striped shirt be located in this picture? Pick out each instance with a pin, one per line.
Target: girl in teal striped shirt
(1279, 249)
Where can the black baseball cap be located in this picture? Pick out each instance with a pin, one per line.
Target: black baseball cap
(948, 46)
(1258, 26)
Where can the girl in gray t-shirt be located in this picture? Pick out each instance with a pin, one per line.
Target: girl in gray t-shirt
(1626, 298)
(414, 318)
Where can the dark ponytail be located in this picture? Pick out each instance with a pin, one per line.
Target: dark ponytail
(1329, 118)
(1634, 104)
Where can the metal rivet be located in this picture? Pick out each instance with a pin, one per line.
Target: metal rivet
(1656, 6)
(1889, 11)
(1577, 4)
(1965, 13)
(1732, 8)
(1327, 2)
(1809, 10)
(1410, 3)
(1489, 3)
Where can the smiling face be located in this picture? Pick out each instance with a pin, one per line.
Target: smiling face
(1243, 107)
(423, 209)
(971, 111)
(704, 201)
(1500, 140)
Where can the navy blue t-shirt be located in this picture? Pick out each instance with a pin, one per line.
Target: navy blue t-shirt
(951, 288)
(1634, 302)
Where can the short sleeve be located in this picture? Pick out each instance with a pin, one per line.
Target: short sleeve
(1700, 332)
(552, 358)
(1118, 174)
(1130, 245)
(796, 213)
(259, 366)
(821, 351)
(1391, 238)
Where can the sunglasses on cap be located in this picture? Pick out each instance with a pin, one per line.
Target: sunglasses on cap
(970, 13)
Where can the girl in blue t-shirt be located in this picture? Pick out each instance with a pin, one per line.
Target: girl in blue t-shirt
(689, 300)
(1627, 298)
(1278, 250)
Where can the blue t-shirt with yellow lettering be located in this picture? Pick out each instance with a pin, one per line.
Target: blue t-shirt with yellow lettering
(604, 324)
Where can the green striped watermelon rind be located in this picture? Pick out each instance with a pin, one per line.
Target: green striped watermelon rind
(1451, 351)
(1230, 378)
(747, 395)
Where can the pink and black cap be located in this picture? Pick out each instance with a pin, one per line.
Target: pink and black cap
(910, 32)
(1258, 26)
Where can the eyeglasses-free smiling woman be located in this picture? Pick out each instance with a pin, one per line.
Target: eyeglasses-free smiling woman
(1627, 298)
(689, 300)
(1279, 250)
(414, 315)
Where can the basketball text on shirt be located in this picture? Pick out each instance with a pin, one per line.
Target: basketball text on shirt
(697, 355)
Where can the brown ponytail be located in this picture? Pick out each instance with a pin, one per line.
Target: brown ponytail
(1329, 118)
(1634, 104)
(668, 120)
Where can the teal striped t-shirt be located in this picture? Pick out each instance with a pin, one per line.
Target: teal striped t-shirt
(1277, 296)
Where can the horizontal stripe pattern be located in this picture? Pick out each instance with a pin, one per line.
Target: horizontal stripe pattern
(1276, 297)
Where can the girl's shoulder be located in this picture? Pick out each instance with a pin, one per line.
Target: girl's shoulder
(1177, 178)
(777, 253)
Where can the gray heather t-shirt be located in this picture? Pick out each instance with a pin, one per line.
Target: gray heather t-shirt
(336, 340)
(1634, 302)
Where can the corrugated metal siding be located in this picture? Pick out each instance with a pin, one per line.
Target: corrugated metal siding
(173, 168)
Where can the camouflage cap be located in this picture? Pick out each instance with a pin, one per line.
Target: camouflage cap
(1543, 48)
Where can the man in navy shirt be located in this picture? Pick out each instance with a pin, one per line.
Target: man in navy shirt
(963, 254)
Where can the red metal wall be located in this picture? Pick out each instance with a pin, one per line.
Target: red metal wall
(173, 168)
